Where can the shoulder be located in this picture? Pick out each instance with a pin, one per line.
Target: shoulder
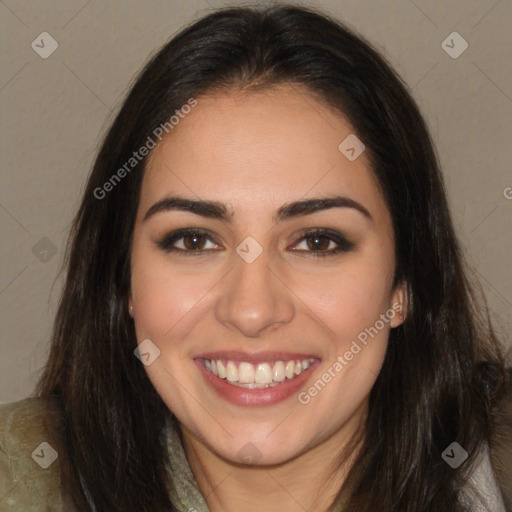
(23, 409)
(29, 456)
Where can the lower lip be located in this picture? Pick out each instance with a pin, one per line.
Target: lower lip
(255, 397)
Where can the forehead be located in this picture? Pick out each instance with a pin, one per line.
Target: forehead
(258, 150)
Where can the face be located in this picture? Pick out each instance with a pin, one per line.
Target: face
(291, 293)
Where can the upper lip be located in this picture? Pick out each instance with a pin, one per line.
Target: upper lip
(255, 357)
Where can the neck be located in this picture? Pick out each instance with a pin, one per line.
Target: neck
(310, 481)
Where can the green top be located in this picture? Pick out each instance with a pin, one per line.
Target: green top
(30, 469)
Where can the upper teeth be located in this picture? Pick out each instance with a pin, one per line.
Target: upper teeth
(261, 373)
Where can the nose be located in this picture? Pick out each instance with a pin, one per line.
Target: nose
(254, 299)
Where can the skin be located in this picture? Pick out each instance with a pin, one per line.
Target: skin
(256, 152)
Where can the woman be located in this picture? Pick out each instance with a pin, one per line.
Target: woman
(266, 306)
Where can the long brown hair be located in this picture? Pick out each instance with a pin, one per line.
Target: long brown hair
(443, 369)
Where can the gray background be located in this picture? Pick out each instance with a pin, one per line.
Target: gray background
(56, 110)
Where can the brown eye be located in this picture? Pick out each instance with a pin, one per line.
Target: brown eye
(318, 242)
(323, 242)
(188, 242)
(194, 242)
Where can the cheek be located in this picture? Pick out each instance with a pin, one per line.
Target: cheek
(348, 300)
(165, 304)
(162, 297)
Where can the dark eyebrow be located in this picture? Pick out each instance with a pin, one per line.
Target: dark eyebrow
(211, 209)
(310, 206)
(216, 210)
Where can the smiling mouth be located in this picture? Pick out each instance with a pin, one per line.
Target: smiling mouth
(257, 376)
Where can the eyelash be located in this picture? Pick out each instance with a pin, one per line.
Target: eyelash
(166, 244)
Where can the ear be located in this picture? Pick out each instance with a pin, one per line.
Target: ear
(130, 305)
(399, 304)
